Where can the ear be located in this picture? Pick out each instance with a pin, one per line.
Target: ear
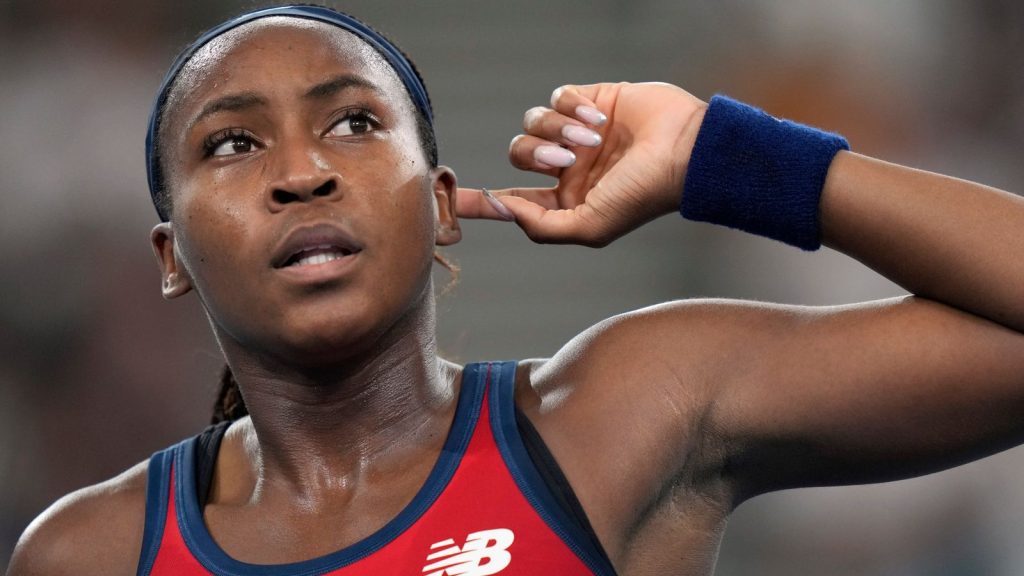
(444, 185)
(175, 279)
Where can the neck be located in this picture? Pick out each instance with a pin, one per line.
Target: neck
(317, 431)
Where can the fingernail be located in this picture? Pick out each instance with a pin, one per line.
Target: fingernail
(591, 115)
(580, 135)
(554, 156)
(498, 206)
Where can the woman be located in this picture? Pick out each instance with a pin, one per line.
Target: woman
(303, 205)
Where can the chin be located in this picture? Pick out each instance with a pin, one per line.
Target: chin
(342, 335)
(330, 329)
(327, 339)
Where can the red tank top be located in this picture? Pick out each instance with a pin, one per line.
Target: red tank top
(484, 509)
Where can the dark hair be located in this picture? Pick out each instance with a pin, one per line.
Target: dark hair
(229, 405)
(161, 197)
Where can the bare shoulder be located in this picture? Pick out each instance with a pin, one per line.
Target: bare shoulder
(95, 530)
(624, 407)
(640, 377)
(659, 343)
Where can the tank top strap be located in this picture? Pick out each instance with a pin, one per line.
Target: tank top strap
(158, 492)
(575, 532)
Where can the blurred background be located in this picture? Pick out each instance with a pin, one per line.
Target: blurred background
(97, 371)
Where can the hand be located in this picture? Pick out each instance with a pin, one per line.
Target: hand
(619, 152)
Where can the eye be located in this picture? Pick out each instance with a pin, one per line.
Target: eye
(354, 123)
(229, 142)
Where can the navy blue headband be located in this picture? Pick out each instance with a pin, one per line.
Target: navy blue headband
(394, 56)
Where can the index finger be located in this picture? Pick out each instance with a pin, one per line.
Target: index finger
(471, 202)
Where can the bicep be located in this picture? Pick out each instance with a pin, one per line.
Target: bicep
(867, 393)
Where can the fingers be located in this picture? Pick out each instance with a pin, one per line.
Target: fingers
(551, 226)
(539, 155)
(537, 212)
(551, 132)
(556, 127)
(578, 102)
(473, 203)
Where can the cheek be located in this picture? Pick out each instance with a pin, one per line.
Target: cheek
(406, 238)
(212, 234)
(411, 207)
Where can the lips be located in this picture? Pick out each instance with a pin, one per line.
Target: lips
(314, 245)
(317, 255)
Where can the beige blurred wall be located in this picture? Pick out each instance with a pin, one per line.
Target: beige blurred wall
(97, 371)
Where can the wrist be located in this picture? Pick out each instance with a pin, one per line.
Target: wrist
(756, 173)
(683, 151)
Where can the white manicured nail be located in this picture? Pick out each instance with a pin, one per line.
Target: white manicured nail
(591, 115)
(554, 156)
(500, 208)
(580, 135)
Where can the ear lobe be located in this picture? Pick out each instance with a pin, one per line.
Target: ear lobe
(175, 279)
(444, 185)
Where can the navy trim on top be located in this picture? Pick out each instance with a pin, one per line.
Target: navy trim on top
(158, 487)
(553, 477)
(526, 476)
(212, 557)
(207, 446)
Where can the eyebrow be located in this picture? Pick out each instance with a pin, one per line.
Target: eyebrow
(246, 100)
(230, 103)
(338, 84)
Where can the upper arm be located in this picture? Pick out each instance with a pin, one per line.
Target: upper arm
(731, 399)
(95, 530)
(867, 393)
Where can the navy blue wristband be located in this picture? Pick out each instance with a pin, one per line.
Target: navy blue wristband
(751, 171)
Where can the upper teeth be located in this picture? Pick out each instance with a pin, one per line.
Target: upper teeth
(317, 255)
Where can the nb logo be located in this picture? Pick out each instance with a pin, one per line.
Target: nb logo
(484, 553)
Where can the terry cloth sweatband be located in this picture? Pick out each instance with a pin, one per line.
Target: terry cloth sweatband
(394, 56)
(754, 172)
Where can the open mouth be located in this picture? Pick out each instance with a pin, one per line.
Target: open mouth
(314, 246)
(316, 255)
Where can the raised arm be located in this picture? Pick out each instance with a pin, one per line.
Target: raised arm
(947, 239)
(793, 396)
(903, 387)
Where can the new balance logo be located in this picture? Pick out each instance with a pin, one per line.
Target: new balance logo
(484, 553)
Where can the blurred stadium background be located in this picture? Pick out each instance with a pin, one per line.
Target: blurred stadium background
(97, 371)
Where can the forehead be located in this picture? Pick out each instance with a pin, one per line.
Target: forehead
(258, 52)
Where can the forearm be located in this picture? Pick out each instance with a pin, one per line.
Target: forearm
(874, 392)
(949, 240)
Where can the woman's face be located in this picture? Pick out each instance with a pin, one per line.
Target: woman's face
(305, 212)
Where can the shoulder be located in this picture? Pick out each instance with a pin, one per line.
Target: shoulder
(95, 530)
(635, 366)
(625, 406)
(670, 341)
(657, 372)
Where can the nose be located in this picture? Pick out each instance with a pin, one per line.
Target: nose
(302, 176)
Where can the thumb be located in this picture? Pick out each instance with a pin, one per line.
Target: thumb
(552, 226)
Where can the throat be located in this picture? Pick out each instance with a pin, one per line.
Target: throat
(275, 525)
(314, 444)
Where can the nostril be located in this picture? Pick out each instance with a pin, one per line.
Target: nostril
(284, 197)
(287, 193)
(325, 189)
